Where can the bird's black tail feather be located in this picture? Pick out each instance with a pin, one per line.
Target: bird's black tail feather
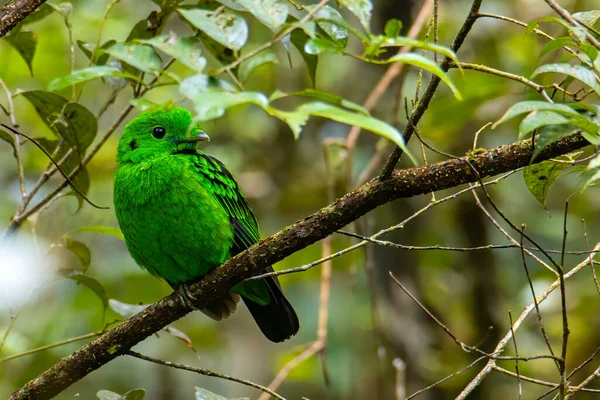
(277, 320)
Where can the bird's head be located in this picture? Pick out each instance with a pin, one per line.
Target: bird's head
(158, 133)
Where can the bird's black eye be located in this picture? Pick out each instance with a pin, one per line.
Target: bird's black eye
(159, 132)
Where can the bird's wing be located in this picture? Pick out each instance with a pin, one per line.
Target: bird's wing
(219, 181)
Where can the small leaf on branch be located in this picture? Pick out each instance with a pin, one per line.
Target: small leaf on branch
(248, 67)
(578, 72)
(141, 57)
(540, 177)
(428, 65)
(227, 28)
(106, 230)
(203, 394)
(86, 74)
(135, 394)
(91, 284)
(185, 50)
(271, 13)
(25, 43)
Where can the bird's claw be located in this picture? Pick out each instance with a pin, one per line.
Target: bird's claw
(186, 297)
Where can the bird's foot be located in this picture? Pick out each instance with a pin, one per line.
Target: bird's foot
(187, 298)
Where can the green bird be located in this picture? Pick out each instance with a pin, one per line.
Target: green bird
(183, 214)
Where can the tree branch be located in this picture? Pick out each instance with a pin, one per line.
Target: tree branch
(14, 11)
(401, 184)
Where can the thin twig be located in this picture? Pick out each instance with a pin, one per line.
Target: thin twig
(587, 245)
(504, 341)
(572, 21)
(535, 301)
(51, 346)
(206, 372)
(563, 304)
(17, 144)
(516, 355)
(401, 225)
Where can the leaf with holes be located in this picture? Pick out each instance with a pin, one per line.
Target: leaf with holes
(185, 50)
(24, 43)
(227, 28)
(428, 65)
(540, 177)
(141, 57)
(362, 9)
(272, 13)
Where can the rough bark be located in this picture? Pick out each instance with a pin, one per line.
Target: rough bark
(14, 11)
(401, 184)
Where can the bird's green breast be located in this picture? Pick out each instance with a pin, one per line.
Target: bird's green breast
(172, 224)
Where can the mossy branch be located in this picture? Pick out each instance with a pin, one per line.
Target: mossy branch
(15, 11)
(400, 184)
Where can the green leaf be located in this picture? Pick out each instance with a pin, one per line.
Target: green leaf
(540, 177)
(592, 173)
(142, 57)
(550, 134)
(211, 105)
(328, 97)
(588, 18)
(576, 71)
(537, 119)
(408, 42)
(362, 9)
(272, 13)
(25, 43)
(39, 14)
(393, 27)
(105, 230)
(79, 249)
(185, 50)
(226, 28)
(97, 56)
(428, 65)
(135, 394)
(260, 59)
(124, 309)
(196, 85)
(86, 74)
(365, 122)
(556, 44)
(295, 119)
(91, 284)
(71, 121)
(524, 107)
(82, 183)
(203, 394)
(319, 46)
(7, 137)
(299, 38)
(334, 26)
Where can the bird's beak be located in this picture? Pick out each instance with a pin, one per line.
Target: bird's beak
(201, 137)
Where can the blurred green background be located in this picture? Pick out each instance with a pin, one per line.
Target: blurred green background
(286, 179)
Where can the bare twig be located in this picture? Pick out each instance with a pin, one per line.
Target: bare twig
(51, 346)
(563, 303)
(516, 355)
(206, 372)
(587, 245)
